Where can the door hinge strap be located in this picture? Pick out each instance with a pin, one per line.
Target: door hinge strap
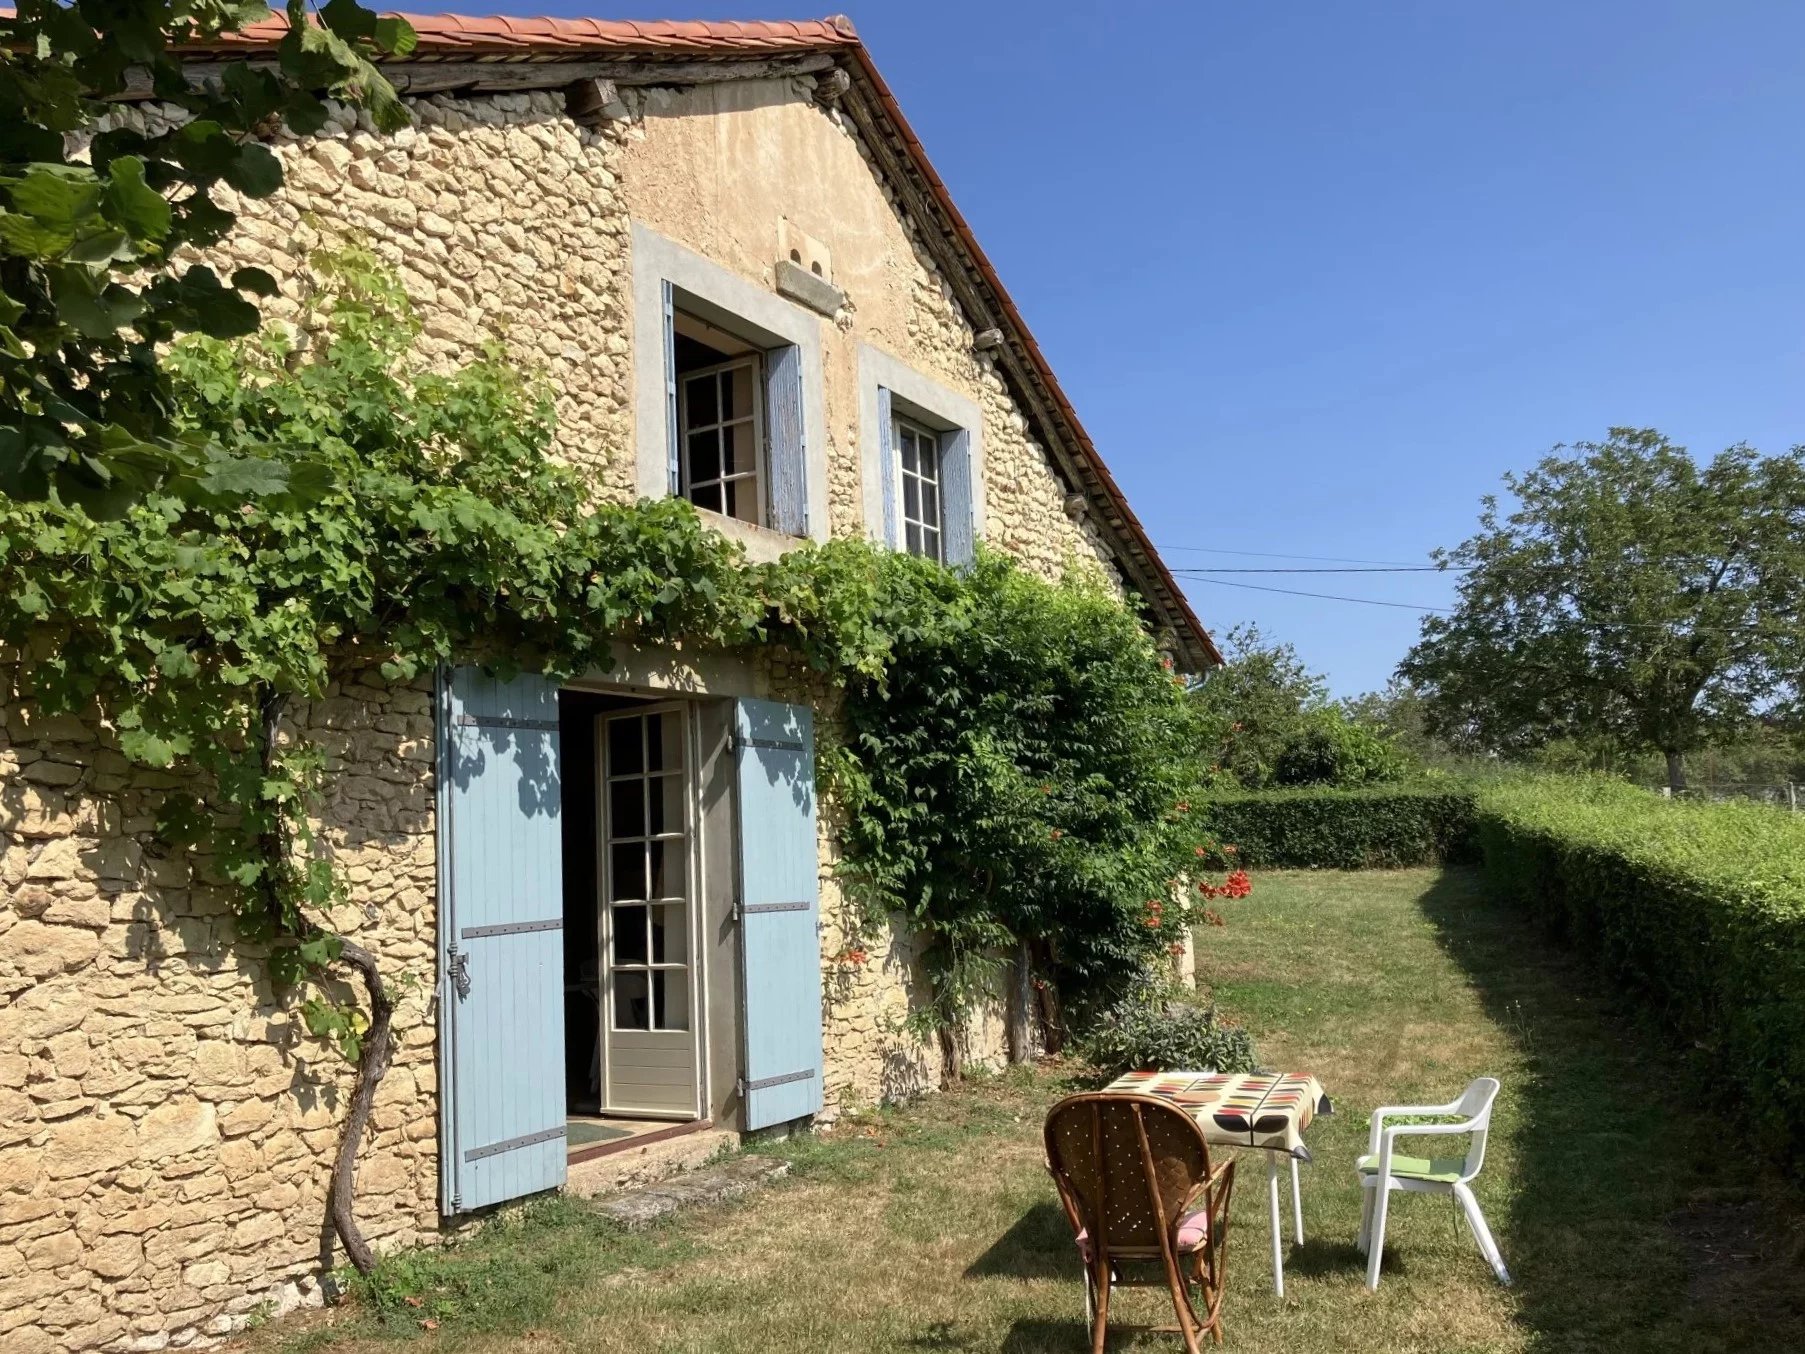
(469, 721)
(514, 1144)
(754, 908)
(513, 928)
(776, 744)
(766, 1083)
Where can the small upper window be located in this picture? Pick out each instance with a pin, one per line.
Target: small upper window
(918, 457)
(720, 420)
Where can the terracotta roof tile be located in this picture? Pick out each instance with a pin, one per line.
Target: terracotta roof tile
(462, 35)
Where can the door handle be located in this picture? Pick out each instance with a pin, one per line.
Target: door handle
(460, 972)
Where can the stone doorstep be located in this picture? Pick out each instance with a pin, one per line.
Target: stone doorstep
(637, 1208)
(633, 1165)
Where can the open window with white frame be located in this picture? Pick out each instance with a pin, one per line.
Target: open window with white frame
(919, 500)
(734, 416)
(722, 437)
(928, 489)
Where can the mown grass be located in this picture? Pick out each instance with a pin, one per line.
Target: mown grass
(1628, 1221)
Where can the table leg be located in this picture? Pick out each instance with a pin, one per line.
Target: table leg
(1297, 1203)
(1278, 1235)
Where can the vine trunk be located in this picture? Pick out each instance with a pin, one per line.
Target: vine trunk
(378, 1042)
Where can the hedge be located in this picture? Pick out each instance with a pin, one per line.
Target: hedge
(1387, 826)
(1698, 907)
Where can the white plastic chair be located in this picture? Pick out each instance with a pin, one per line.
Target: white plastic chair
(1384, 1170)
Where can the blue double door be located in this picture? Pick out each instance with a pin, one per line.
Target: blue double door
(503, 978)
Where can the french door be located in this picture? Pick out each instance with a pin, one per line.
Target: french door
(649, 983)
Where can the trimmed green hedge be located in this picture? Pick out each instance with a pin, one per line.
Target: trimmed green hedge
(1382, 827)
(1699, 907)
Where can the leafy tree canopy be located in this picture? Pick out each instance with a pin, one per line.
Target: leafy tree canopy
(1628, 593)
(93, 216)
(1269, 721)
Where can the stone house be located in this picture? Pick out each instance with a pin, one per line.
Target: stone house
(729, 256)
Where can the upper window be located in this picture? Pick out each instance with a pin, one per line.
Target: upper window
(729, 409)
(721, 432)
(918, 463)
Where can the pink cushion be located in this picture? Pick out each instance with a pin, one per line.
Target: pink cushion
(1193, 1230)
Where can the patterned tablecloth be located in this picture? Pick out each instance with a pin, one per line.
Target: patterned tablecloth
(1269, 1112)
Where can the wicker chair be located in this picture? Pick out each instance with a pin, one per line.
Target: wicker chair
(1134, 1175)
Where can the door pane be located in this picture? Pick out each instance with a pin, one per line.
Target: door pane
(626, 871)
(670, 991)
(665, 737)
(624, 747)
(627, 808)
(629, 935)
(632, 1001)
(670, 941)
(667, 872)
(666, 794)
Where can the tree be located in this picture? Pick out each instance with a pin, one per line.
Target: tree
(1330, 748)
(1255, 702)
(98, 223)
(1398, 713)
(1630, 594)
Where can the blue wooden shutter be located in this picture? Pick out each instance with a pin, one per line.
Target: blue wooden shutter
(501, 919)
(780, 902)
(786, 450)
(957, 532)
(673, 450)
(886, 468)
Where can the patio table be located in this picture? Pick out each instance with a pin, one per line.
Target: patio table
(1263, 1112)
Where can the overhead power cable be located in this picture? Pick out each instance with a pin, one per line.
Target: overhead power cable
(1270, 554)
(1325, 596)
(1341, 569)
(1602, 627)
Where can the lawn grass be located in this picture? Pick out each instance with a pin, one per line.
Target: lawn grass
(1628, 1223)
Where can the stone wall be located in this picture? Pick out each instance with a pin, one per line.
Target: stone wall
(165, 1122)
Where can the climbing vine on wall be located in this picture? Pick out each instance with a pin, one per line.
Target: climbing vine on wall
(423, 521)
(1016, 762)
(1017, 769)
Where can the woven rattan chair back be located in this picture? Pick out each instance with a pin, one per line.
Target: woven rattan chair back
(1132, 1172)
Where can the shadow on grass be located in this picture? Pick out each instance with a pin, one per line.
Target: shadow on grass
(1034, 1336)
(1037, 1246)
(1317, 1257)
(1637, 1221)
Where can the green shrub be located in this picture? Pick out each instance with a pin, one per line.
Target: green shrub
(1331, 749)
(1698, 907)
(1383, 827)
(1160, 1026)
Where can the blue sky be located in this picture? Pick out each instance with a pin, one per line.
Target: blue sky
(1316, 274)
